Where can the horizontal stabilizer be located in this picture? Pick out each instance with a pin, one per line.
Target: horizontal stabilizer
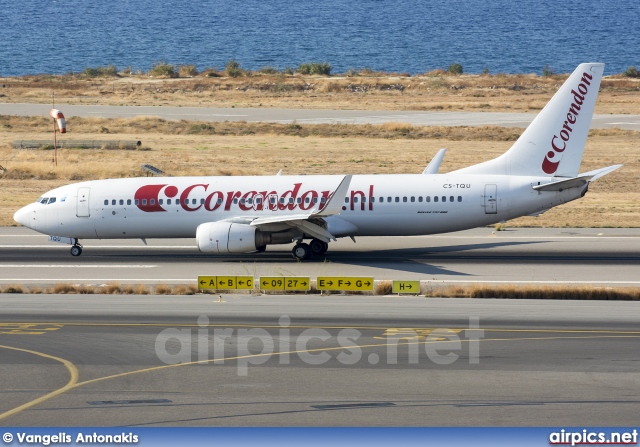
(578, 181)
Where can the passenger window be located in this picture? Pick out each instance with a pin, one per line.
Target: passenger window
(281, 199)
(435, 198)
(413, 199)
(160, 201)
(420, 199)
(106, 202)
(242, 200)
(444, 198)
(346, 200)
(397, 199)
(144, 202)
(250, 201)
(235, 200)
(459, 198)
(290, 199)
(273, 200)
(381, 199)
(113, 202)
(219, 201)
(129, 201)
(299, 200)
(137, 202)
(193, 201)
(315, 200)
(152, 202)
(201, 201)
(451, 199)
(404, 199)
(355, 200)
(306, 200)
(373, 200)
(389, 199)
(428, 198)
(122, 202)
(258, 200)
(168, 201)
(323, 200)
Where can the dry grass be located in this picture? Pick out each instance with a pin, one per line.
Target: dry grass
(381, 288)
(366, 90)
(537, 293)
(163, 289)
(109, 289)
(64, 288)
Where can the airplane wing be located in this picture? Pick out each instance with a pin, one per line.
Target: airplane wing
(302, 221)
(574, 182)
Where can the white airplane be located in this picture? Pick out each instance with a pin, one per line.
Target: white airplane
(246, 214)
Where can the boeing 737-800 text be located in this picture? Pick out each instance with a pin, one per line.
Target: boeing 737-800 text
(246, 214)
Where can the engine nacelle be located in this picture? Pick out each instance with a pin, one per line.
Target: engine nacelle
(227, 237)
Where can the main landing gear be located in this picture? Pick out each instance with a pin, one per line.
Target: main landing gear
(302, 251)
(76, 250)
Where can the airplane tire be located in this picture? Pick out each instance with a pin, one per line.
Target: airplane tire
(301, 251)
(261, 248)
(76, 250)
(318, 247)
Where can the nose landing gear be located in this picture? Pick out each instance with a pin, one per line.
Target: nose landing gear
(76, 250)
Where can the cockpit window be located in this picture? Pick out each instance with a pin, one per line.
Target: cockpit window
(46, 200)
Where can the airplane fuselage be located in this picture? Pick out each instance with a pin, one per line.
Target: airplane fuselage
(375, 205)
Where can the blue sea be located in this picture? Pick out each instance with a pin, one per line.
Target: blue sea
(503, 36)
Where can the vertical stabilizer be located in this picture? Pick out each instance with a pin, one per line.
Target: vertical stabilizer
(554, 142)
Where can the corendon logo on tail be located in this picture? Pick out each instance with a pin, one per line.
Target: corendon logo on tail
(154, 198)
(559, 143)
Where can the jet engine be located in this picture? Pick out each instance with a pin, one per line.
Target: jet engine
(227, 237)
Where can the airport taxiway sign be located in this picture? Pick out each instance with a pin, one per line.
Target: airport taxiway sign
(225, 282)
(300, 283)
(344, 283)
(406, 286)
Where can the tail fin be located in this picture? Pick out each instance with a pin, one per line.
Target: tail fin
(553, 143)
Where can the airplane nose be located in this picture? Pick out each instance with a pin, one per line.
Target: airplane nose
(24, 217)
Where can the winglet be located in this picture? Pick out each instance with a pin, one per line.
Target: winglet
(335, 202)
